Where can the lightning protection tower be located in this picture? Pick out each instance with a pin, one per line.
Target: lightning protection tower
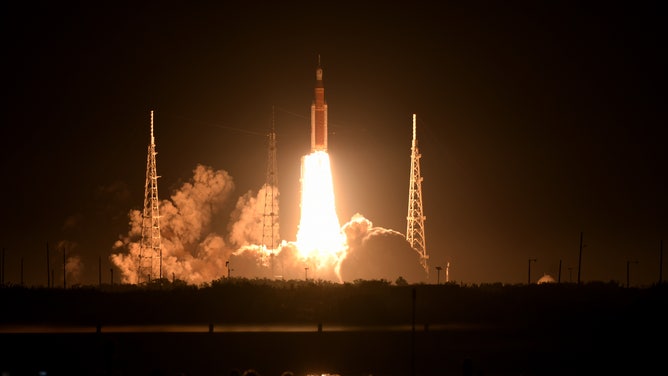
(270, 214)
(150, 252)
(416, 218)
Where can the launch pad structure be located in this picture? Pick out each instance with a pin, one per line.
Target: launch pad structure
(415, 218)
(149, 265)
(270, 233)
(150, 251)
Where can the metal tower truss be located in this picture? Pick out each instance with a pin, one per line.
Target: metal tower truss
(416, 218)
(150, 252)
(270, 234)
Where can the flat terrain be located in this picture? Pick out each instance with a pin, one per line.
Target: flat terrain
(345, 330)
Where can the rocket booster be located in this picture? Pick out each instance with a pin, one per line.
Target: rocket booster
(319, 115)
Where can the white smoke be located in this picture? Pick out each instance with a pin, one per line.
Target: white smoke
(378, 253)
(73, 268)
(193, 251)
(70, 263)
(248, 229)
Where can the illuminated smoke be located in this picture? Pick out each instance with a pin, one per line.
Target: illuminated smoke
(73, 268)
(357, 250)
(195, 251)
(191, 250)
(247, 226)
(68, 261)
(378, 253)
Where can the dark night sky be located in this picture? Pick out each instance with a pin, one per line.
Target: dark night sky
(536, 121)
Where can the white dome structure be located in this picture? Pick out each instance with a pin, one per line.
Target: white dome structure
(546, 278)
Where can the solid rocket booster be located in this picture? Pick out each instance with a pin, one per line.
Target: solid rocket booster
(319, 115)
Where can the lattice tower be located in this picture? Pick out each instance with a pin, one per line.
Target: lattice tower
(416, 218)
(150, 253)
(270, 234)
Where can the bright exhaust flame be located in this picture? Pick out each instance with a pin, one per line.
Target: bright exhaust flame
(194, 252)
(319, 238)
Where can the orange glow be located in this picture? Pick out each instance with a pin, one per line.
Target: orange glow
(319, 238)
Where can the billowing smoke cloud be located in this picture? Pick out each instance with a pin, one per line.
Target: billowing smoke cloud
(247, 229)
(73, 268)
(69, 262)
(193, 250)
(378, 253)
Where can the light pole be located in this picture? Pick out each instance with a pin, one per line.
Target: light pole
(580, 258)
(570, 274)
(627, 270)
(529, 274)
(438, 275)
(660, 261)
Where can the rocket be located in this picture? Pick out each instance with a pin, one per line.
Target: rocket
(319, 114)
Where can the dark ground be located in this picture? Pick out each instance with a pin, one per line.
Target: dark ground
(485, 352)
(493, 330)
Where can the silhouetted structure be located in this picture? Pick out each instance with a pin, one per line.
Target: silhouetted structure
(270, 233)
(415, 219)
(580, 258)
(660, 261)
(529, 271)
(150, 251)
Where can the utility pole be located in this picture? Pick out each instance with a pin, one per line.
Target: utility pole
(529, 274)
(48, 267)
(660, 261)
(413, 296)
(580, 258)
(627, 271)
(438, 275)
(64, 268)
(2, 268)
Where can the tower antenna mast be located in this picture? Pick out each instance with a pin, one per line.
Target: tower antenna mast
(416, 218)
(150, 252)
(270, 216)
